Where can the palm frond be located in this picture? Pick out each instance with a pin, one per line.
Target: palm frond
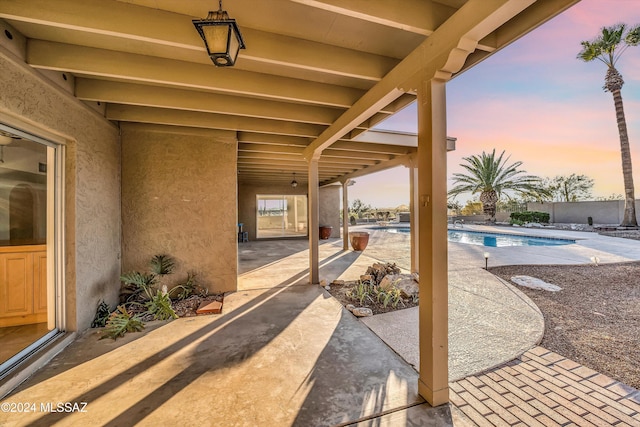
(488, 172)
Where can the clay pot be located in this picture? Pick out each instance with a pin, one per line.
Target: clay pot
(359, 240)
(325, 232)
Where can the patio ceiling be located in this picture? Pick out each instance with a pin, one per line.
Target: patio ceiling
(315, 75)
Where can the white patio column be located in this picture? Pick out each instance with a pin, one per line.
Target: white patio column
(432, 238)
(314, 219)
(413, 215)
(345, 215)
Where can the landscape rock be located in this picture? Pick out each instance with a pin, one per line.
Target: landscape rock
(379, 270)
(362, 312)
(408, 287)
(328, 287)
(366, 278)
(338, 282)
(350, 307)
(388, 282)
(533, 283)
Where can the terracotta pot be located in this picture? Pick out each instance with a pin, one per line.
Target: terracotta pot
(359, 240)
(325, 232)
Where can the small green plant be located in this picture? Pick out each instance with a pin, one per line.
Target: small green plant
(388, 296)
(160, 306)
(188, 288)
(162, 265)
(361, 292)
(102, 315)
(136, 286)
(120, 322)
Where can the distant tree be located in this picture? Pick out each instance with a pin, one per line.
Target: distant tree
(569, 188)
(612, 196)
(359, 208)
(472, 207)
(493, 177)
(453, 207)
(607, 47)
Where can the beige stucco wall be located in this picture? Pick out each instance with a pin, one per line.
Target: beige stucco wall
(602, 212)
(179, 198)
(92, 186)
(330, 208)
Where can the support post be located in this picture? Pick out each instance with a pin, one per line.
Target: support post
(345, 215)
(413, 215)
(314, 219)
(432, 238)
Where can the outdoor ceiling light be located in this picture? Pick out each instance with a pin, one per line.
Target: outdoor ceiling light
(294, 183)
(221, 37)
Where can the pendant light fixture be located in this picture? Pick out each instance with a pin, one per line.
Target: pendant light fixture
(294, 183)
(221, 37)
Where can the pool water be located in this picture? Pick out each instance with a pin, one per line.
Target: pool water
(494, 240)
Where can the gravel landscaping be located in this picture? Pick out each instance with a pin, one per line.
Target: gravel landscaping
(595, 318)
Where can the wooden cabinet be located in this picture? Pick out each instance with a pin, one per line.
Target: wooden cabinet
(23, 285)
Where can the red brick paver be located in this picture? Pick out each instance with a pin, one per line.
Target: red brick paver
(542, 388)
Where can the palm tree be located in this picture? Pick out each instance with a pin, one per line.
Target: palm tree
(608, 47)
(492, 177)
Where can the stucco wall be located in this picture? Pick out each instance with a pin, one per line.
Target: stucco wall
(92, 186)
(330, 208)
(604, 212)
(179, 198)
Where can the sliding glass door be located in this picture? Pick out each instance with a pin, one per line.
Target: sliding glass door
(28, 235)
(281, 216)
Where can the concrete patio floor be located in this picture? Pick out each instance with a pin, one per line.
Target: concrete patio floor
(286, 353)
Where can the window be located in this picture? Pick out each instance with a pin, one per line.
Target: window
(281, 216)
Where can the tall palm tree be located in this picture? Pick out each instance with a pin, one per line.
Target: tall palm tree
(492, 177)
(607, 48)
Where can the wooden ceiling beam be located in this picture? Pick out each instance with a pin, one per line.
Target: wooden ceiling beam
(128, 113)
(133, 27)
(181, 99)
(128, 67)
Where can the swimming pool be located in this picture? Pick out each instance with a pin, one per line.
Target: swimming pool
(495, 240)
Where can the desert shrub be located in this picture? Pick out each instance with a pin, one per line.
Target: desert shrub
(529, 216)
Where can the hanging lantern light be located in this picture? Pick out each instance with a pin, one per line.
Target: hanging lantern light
(294, 183)
(221, 37)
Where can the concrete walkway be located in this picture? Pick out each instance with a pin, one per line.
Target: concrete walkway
(285, 353)
(490, 321)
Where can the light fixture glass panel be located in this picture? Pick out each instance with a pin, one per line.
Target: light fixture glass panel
(216, 36)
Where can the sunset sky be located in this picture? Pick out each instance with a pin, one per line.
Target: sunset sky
(535, 100)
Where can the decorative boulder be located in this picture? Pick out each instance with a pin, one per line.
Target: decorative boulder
(362, 312)
(533, 283)
(408, 287)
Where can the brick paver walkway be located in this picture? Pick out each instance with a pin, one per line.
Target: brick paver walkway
(542, 388)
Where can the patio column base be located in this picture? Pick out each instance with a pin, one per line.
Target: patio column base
(435, 398)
